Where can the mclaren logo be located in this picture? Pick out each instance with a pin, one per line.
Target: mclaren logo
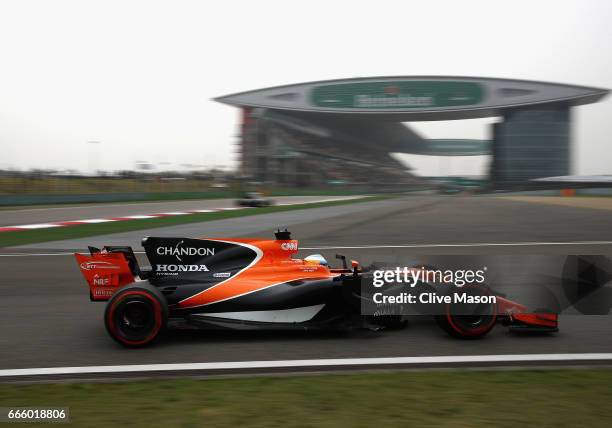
(178, 251)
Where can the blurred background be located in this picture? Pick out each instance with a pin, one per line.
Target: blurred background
(122, 97)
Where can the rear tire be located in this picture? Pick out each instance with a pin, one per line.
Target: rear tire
(136, 314)
(469, 321)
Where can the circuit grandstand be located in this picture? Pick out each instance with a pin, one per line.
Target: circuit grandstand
(345, 131)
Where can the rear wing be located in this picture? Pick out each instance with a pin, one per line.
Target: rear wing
(107, 270)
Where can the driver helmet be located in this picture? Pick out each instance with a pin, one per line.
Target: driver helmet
(316, 259)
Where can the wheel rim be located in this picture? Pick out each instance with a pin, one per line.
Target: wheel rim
(135, 319)
(472, 322)
(474, 319)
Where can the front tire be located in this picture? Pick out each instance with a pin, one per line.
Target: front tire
(469, 321)
(136, 314)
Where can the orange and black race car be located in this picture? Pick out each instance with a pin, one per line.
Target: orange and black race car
(252, 283)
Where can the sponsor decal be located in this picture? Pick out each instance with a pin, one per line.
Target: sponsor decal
(178, 251)
(289, 246)
(222, 275)
(400, 101)
(398, 94)
(98, 265)
(103, 292)
(175, 269)
(101, 280)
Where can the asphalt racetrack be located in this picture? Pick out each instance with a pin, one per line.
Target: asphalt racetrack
(48, 321)
(33, 214)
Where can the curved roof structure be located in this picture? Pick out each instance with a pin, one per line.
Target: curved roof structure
(413, 98)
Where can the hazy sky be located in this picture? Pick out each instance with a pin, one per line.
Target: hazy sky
(138, 76)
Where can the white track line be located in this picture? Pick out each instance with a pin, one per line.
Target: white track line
(37, 226)
(174, 213)
(365, 247)
(95, 220)
(45, 254)
(308, 363)
(477, 244)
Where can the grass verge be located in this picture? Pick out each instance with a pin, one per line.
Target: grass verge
(23, 237)
(559, 398)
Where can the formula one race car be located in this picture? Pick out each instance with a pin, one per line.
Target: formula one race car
(252, 283)
(254, 199)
